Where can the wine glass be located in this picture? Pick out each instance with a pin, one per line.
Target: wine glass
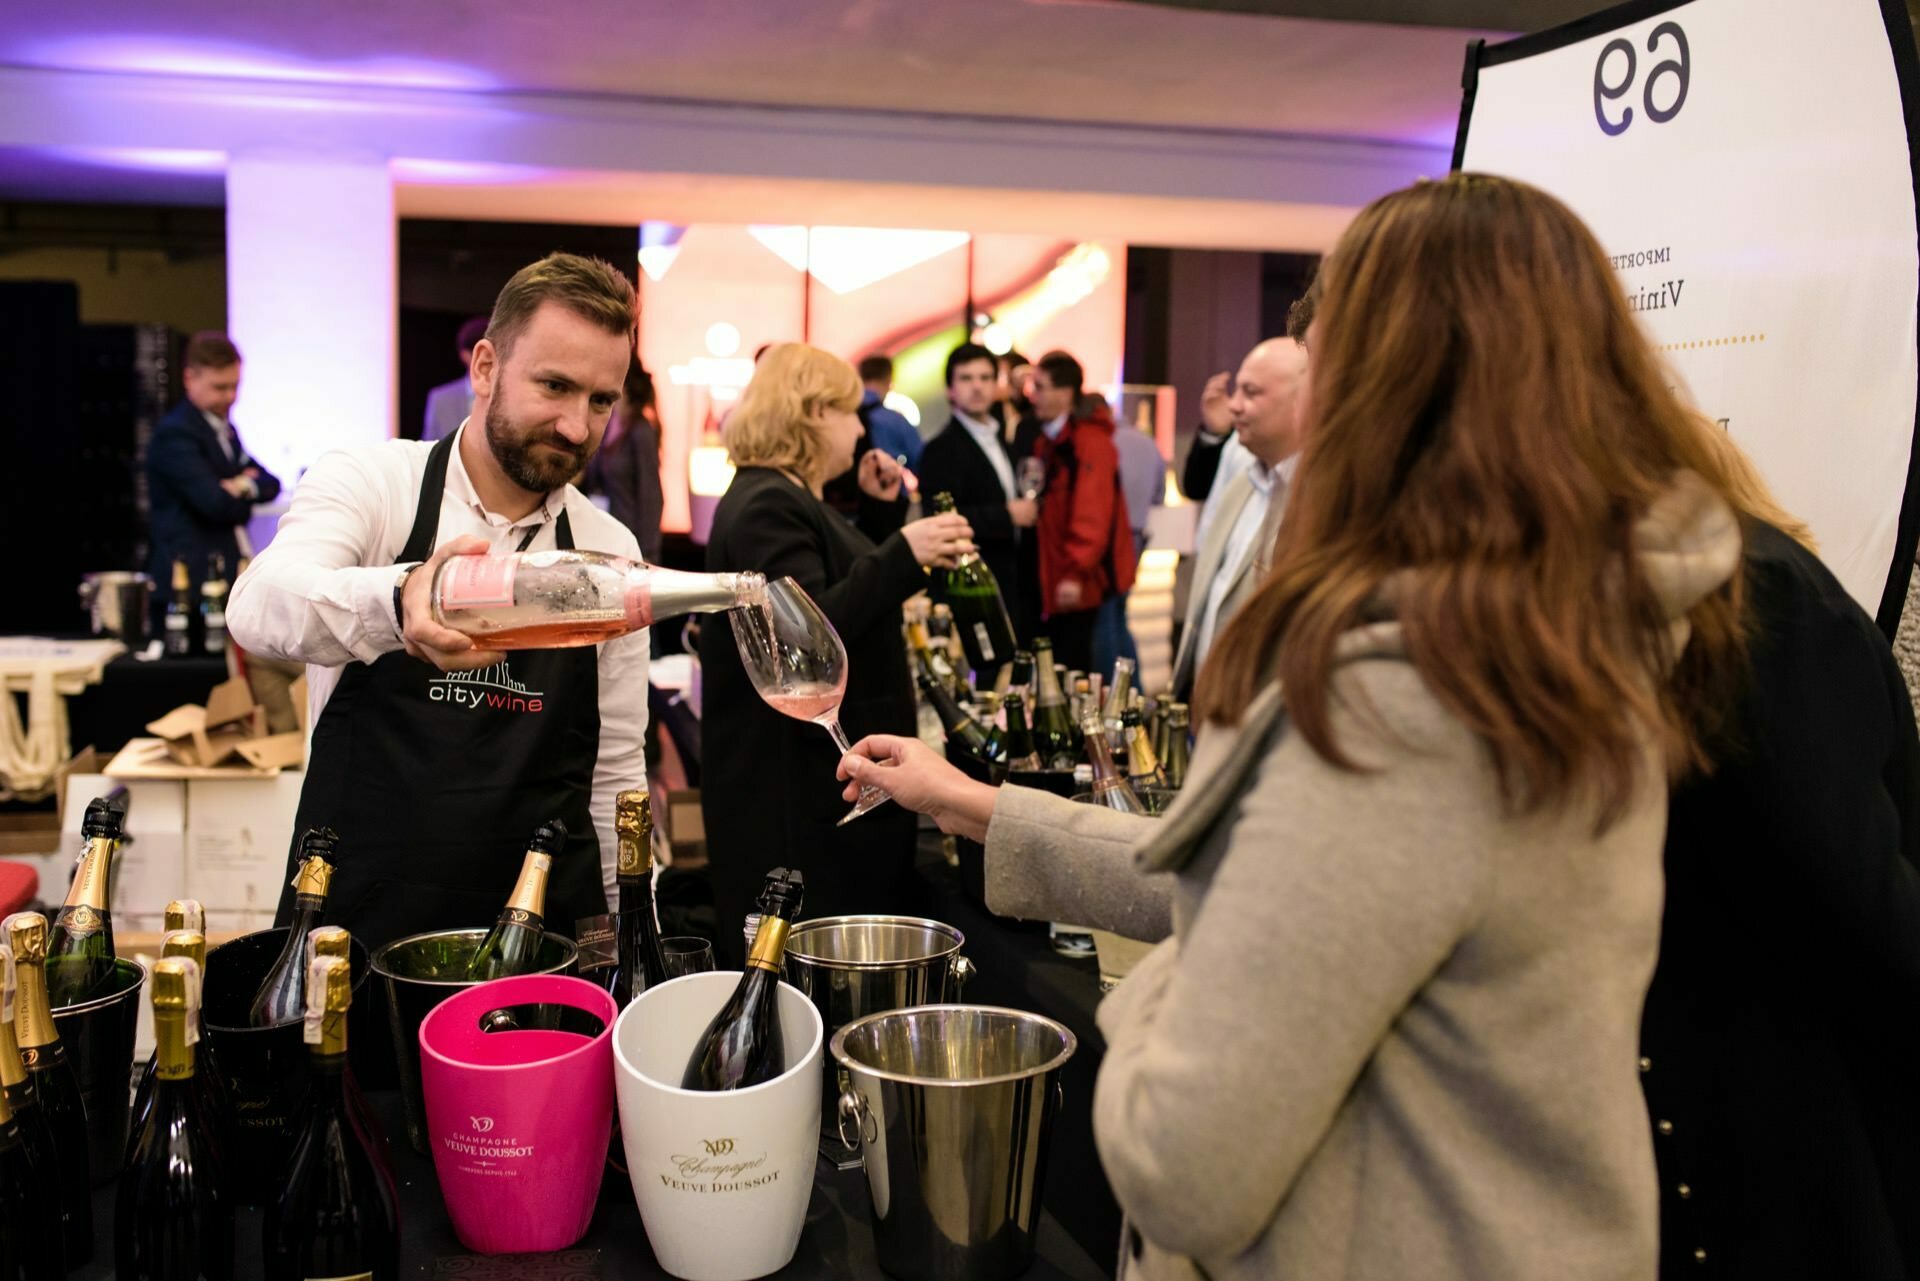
(796, 661)
(1032, 477)
(685, 954)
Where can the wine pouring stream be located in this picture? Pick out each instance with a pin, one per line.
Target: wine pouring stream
(796, 661)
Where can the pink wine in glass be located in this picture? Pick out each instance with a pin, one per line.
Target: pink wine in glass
(814, 701)
(551, 599)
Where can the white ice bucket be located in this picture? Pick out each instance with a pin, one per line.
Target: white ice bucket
(722, 1178)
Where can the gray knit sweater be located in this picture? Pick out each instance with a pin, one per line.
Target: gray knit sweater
(1394, 1034)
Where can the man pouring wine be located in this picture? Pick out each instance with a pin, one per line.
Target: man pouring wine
(433, 757)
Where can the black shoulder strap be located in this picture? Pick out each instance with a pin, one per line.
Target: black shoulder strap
(426, 511)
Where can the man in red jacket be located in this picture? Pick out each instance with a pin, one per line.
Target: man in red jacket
(1085, 541)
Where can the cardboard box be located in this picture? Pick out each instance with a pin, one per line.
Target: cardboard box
(152, 865)
(238, 833)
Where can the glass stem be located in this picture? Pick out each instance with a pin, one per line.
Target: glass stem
(867, 790)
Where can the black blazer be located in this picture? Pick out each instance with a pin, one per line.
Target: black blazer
(768, 791)
(1203, 464)
(954, 463)
(1782, 1030)
(192, 517)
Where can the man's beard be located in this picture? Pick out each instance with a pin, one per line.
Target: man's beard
(533, 471)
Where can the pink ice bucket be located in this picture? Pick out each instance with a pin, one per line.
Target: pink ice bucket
(518, 1120)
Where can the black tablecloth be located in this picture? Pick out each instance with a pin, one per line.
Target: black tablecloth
(836, 1243)
(133, 693)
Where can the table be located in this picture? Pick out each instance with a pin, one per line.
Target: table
(133, 692)
(836, 1244)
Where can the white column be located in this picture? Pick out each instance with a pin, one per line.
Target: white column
(310, 302)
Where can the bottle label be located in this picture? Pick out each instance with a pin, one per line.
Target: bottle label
(599, 942)
(986, 643)
(82, 921)
(477, 582)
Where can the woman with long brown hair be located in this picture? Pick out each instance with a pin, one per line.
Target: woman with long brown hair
(1414, 881)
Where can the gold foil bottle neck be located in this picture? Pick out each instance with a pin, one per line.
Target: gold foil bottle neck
(186, 914)
(188, 944)
(530, 891)
(331, 940)
(27, 936)
(316, 875)
(633, 829)
(170, 980)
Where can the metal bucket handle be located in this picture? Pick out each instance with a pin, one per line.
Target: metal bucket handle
(959, 970)
(854, 1108)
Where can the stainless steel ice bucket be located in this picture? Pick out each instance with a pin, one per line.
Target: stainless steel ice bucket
(951, 1107)
(116, 605)
(422, 970)
(852, 966)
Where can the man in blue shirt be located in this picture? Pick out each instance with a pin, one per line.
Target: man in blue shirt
(892, 433)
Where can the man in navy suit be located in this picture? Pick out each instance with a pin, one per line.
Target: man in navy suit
(201, 485)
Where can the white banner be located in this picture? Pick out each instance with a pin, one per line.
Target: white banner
(1747, 165)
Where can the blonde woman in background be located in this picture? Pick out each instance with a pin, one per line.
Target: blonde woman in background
(767, 788)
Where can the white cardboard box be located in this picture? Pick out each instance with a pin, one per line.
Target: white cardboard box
(152, 866)
(238, 834)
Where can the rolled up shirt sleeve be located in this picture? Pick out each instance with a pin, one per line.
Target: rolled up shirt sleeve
(308, 597)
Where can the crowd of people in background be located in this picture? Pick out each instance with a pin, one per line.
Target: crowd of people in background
(1548, 898)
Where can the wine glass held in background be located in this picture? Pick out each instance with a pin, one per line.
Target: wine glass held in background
(1031, 477)
(798, 665)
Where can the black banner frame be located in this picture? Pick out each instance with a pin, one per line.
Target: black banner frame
(1906, 67)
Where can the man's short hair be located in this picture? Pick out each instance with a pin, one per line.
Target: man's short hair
(876, 368)
(965, 354)
(1062, 371)
(590, 288)
(1300, 315)
(211, 349)
(470, 335)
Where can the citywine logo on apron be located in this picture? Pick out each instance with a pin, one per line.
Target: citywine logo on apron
(491, 688)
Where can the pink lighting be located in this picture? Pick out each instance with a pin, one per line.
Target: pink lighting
(146, 158)
(168, 56)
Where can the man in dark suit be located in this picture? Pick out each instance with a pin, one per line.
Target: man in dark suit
(969, 460)
(201, 485)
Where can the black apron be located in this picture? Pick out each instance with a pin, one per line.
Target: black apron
(436, 780)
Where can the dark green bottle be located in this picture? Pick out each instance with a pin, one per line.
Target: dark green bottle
(514, 945)
(80, 948)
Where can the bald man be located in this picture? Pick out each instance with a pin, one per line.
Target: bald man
(1243, 513)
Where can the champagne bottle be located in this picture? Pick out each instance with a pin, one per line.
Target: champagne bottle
(31, 1246)
(1110, 787)
(1021, 753)
(641, 965)
(334, 941)
(1052, 730)
(80, 948)
(179, 612)
(962, 732)
(514, 944)
(743, 1045)
(1080, 704)
(1143, 767)
(53, 1081)
(1021, 677)
(188, 945)
(336, 1214)
(550, 599)
(171, 1218)
(1113, 713)
(1178, 745)
(280, 998)
(213, 604)
(995, 751)
(931, 661)
(980, 611)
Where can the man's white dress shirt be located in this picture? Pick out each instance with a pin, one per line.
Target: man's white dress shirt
(321, 593)
(1252, 535)
(987, 435)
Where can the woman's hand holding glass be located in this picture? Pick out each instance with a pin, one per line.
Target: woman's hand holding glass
(915, 776)
(939, 540)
